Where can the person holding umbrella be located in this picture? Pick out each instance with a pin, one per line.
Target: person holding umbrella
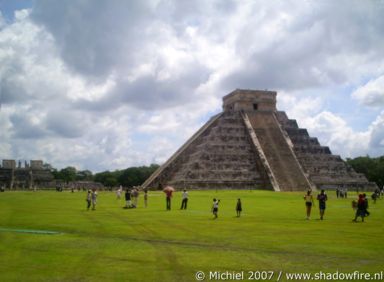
(168, 190)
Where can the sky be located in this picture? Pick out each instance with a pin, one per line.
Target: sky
(105, 85)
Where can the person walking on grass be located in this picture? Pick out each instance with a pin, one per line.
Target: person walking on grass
(168, 197)
(127, 199)
(145, 198)
(88, 199)
(361, 208)
(238, 207)
(184, 200)
(135, 196)
(215, 208)
(118, 192)
(94, 199)
(309, 203)
(322, 198)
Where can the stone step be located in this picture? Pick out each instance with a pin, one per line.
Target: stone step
(280, 157)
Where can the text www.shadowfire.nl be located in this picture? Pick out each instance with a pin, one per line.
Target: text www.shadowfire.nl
(279, 276)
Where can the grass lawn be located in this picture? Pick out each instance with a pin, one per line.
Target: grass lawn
(152, 244)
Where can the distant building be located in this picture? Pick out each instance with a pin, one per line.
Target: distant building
(24, 176)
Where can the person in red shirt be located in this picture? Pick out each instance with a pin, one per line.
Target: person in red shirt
(168, 194)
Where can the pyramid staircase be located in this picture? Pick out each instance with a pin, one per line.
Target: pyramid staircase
(278, 151)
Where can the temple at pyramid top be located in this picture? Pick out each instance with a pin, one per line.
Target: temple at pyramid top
(252, 145)
(250, 100)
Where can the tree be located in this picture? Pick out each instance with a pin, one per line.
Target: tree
(135, 176)
(107, 178)
(132, 176)
(372, 168)
(68, 174)
(84, 175)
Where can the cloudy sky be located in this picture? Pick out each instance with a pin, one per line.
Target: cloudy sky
(105, 85)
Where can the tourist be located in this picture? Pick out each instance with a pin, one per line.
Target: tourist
(127, 199)
(145, 198)
(135, 196)
(118, 192)
(88, 199)
(238, 207)
(309, 203)
(168, 196)
(94, 198)
(374, 197)
(361, 208)
(184, 200)
(322, 198)
(215, 207)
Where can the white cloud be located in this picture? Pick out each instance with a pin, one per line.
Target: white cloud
(377, 135)
(115, 84)
(372, 93)
(333, 131)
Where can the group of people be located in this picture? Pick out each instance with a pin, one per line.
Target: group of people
(360, 206)
(91, 199)
(322, 198)
(132, 196)
(131, 199)
(215, 208)
(184, 202)
(341, 193)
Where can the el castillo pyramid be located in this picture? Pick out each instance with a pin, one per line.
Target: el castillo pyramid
(251, 145)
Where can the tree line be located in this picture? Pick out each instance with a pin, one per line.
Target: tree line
(372, 168)
(132, 176)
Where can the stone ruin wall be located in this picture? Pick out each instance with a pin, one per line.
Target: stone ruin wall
(32, 174)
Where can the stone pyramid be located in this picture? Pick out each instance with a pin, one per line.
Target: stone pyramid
(251, 145)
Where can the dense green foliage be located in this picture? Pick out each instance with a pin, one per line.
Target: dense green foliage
(70, 173)
(372, 168)
(152, 244)
(129, 177)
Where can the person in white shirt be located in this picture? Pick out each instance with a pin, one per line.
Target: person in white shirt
(94, 199)
(184, 201)
(215, 207)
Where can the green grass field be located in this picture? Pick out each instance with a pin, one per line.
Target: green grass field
(152, 244)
